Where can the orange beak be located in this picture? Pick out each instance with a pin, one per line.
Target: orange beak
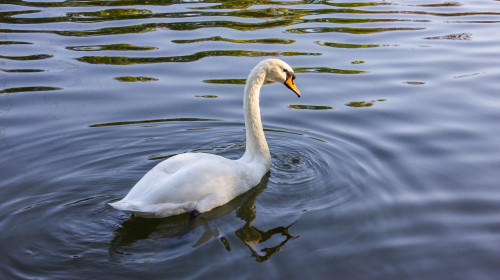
(290, 83)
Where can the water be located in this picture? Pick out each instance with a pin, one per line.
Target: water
(386, 168)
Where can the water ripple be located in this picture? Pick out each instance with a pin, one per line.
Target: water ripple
(310, 173)
(120, 60)
(94, 93)
(351, 30)
(251, 41)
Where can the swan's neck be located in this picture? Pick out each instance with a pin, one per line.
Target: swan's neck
(256, 146)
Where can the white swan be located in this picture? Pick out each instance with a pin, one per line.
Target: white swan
(198, 182)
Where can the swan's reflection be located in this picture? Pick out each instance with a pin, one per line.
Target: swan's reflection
(135, 228)
(252, 236)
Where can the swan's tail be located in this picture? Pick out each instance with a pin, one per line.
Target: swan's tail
(123, 206)
(152, 211)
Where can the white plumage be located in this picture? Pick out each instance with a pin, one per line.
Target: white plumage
(199, 182)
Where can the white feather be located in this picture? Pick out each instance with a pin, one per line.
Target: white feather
(199, 181)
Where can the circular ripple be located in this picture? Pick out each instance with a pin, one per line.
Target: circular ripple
(310, 173)
(293, 165)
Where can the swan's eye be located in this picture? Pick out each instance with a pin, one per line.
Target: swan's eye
(288, 74)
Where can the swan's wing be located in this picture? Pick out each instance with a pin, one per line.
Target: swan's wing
(159, 175)
(187, 177)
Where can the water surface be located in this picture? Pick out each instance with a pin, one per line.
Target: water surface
(386, 168)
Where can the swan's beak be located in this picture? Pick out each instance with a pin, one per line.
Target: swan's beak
(290, 83)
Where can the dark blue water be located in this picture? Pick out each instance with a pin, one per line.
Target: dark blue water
(386, 168)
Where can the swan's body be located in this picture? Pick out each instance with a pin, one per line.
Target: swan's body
(199, 182)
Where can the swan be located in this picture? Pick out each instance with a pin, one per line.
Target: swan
(199, 182)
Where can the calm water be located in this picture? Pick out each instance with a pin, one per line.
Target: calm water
(388, 167)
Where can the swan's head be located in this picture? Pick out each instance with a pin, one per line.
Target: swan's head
(278, 71)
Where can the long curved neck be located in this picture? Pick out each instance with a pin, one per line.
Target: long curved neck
(256, 147)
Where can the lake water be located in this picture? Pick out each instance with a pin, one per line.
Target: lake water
(388, 167)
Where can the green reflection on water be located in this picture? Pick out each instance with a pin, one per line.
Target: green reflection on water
(274, 14)
(148, 27)
(27, 89)
(268, 17)
(310, 107)
(14, 43)
(344, 4)
(112, 47)
(8, 16)
(27, 57)
(135, 79)
(347, 46)
(252, 41)
(360, 104)
(123, 60)
(22, 70)
(111, 14)
(241, 4)
(227, 4)
(226, 81)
